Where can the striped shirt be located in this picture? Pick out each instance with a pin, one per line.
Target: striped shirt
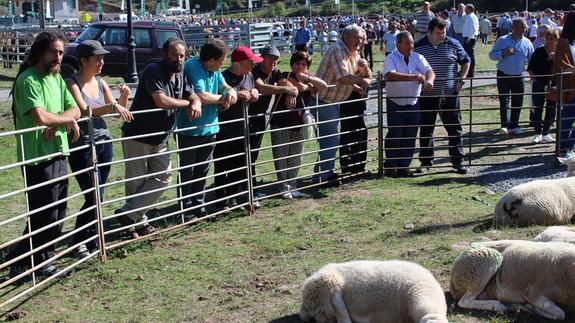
(444, 59)
(423, 19)
(336, 63)
(458, 22)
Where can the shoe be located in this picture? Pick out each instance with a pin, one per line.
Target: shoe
(516, 131)
(537, 139)
(232, 203)
(392, 172)
(296, 194)
(81, 252)
(569, 154)
(422, 169)
(460, 169)
(52, 270)
(404, 173)
(257, 204)
(548, 138)
(259, 195)
(145, 230)
(287, 196)
(503, 131)
(131, 233)
(15, 271)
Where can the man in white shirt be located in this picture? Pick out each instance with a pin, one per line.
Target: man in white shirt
(407, 74)
(457, 21)
(470, 33)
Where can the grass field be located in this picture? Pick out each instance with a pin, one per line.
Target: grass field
(249, 268)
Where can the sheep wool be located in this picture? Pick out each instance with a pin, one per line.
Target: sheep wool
(533, 276)
(557, 234)
(540, 202)
(373, 292)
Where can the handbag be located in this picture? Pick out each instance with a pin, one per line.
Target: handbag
(309, 125)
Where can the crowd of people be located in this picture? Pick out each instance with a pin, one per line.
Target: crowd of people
(204, 108)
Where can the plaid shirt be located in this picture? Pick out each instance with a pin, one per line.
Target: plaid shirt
(336, 63)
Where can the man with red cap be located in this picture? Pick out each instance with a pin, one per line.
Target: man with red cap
(239, 77)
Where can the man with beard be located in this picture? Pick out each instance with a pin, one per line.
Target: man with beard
(162, 86)
(42, 99)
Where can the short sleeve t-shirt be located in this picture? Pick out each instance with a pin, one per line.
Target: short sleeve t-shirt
(202, 81)
(48, 92)
(239, 83)
(261, 106)
(155, 78)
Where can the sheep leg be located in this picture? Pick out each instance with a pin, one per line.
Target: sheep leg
(341, 313)
(546, 308)
(487, 270)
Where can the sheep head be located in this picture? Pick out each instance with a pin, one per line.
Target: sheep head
(570, 162)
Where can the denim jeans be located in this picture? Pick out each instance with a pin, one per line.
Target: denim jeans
(567, 131)
(326, 158)
(400, 139)
(505, 87)
(82, 159)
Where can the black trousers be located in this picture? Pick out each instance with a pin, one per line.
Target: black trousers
(37, 198)
(194, 191)
(368, 55)
(469, 47)
(448, 110)
(353, 148)
(257, 124)
(225, 166)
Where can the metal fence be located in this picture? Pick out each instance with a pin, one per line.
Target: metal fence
(363, 147)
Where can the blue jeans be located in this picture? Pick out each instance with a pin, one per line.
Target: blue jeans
(515, 87)
(403, 124)
(82, 159)
(326, 158)
(567, 131)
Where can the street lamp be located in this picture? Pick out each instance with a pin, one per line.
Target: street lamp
(132, 73)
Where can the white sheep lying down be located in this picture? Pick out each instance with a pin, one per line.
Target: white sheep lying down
(557, 234)
(373, 292)
(540, 202)
(515, 274)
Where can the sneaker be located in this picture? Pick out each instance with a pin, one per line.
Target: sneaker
(287, 196)
(131, 233)
(404, 173)
(537, 139)
(52, 270)
(259, 195)
(15, 271)
(516, 131)
(548, 138)
(296, 194)
(569, 154)
(503, 131)
(145, 230)
(460, 169)
(422, 169)
(81, 252)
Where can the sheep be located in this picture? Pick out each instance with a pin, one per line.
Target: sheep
(373, 291)
(557, 234)
(527, 275)
(540, 202)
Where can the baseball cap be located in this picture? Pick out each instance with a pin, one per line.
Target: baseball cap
(89, 48)
(242, 53)
(270, 50)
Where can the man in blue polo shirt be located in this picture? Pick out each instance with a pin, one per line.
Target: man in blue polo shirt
(197, 137)
(444, 54)
(511, 52)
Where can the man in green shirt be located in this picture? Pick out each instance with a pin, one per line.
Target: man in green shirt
(40, 98)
